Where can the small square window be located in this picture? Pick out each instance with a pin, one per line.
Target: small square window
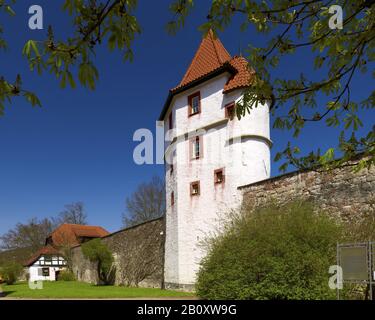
(194, 188)
(194, 102)
(45, 272)
(219, 176)
(230, 110)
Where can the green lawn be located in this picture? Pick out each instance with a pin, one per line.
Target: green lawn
(73, 289)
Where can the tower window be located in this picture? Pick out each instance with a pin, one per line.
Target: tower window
(171, 169)
(230, 110)
(172, 198)
(219, 176)
(194, 188)
(196, 147)
(194, 102)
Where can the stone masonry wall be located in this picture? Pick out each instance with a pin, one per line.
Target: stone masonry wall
(138, 256)
(341, 192)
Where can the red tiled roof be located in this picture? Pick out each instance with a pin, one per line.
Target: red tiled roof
(210, 59)
(212, 55)
(69, 234)
(47, 250)
(243, 77)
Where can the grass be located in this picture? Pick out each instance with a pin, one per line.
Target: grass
(74, 289)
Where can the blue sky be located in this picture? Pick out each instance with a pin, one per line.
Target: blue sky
(78, 146)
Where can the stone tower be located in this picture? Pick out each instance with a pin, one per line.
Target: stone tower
(209, 153)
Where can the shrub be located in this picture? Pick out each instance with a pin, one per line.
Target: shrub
(98, 252)
(10, 272)
(66, 275)
(272, 253)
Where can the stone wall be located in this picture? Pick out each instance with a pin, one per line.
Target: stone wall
(138, 256)
(341, 192)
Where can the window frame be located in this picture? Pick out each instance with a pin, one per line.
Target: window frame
(190, 105)
(230, 106)
(222, 170)
(192, 143)
(192, 184)
(46, 272)
(192, 146)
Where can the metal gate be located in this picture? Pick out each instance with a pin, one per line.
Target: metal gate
(357, 261)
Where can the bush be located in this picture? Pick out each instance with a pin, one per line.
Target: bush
(98, 252)
(10, 272)
(66, 275)
(272, 253)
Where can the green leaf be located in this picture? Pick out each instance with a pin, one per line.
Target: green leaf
(10, 10)
(32, 98)
(71, 80)
(328, 156)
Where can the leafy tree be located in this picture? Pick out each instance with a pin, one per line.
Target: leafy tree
(94, 22)
(294, 25)
(339, 54)
(17, 255)
(146, 203)
(26, 238)
(10, 272)
(73, 213)
(30, 235)
(272, 253)
(98, 252)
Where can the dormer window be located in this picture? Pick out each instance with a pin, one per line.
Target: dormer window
(230, 110)
(194, 188)
(194, 103)
(219, 176)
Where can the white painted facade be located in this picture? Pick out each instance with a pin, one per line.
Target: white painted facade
(241, 147)
(45, 269)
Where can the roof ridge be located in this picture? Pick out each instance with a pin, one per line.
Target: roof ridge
(213, 43)
(212, 35)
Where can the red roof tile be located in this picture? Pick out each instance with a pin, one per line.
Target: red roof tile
(69, 234)
(210, 60)
(212, 55)
(47, 250)
(243, 77)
